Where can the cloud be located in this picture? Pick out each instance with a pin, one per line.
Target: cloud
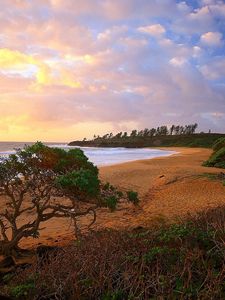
(15, 60)
(215, 69)
(177, 61)
(212, 38)
(156, 30)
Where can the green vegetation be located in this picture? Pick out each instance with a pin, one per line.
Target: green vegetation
(179, 261)
(80, 182)
(217, 159)
(111, 202)
(220, 143)
(177, 136)
(35, 180)
(133, 197)
(22, 290)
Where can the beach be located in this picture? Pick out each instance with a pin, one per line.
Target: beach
(169, 188)
(172, 186)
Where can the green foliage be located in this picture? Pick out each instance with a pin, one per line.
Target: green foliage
(59, 159)
(117, 295)
(80, 181)
(120, 194)
(217, 159)
(133, 197)
(72, 169)
(154, 252)
(220, 165)
(22, 290)
(176, 231)
(111, 202)
(110, 196)
(6, 278)
(220, 143)
(187, 231)
(106, 186)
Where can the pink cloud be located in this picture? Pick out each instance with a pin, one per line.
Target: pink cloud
(212, 38)
(156, 30)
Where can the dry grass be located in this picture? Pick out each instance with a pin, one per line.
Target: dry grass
(180, 261)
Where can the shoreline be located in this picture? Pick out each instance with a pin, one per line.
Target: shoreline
(143, 159)
(169, 187)
(109, 159)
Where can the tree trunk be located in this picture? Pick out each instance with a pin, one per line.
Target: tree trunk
(10, 248)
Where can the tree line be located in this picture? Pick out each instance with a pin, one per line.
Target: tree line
(159, 131)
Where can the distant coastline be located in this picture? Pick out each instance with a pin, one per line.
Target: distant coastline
(202, 140)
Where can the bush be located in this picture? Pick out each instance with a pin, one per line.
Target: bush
(220, 143)
(111, 202)
(133, 197)
(81, 182)
(22, 290)
(217, 159)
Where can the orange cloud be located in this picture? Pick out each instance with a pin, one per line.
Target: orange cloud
(15, 60)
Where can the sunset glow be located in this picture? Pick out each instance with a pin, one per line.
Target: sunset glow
(72, 69)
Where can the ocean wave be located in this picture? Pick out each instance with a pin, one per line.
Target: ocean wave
(100, 156)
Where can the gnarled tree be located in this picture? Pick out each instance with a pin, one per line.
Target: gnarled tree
(33, 183)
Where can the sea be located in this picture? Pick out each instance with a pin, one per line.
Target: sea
(99, 156)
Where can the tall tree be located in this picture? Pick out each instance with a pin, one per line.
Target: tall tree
(133, 133)
(172, 129)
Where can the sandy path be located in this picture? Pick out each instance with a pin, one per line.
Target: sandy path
(168, 187)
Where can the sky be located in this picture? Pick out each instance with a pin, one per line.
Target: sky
(71, 69)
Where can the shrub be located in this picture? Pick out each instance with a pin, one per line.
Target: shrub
(176, 231)
(133, 197)
(220, 143)
(81, 182)
(22, 290)
(217, 159)
(106, 186)
(111, 202)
